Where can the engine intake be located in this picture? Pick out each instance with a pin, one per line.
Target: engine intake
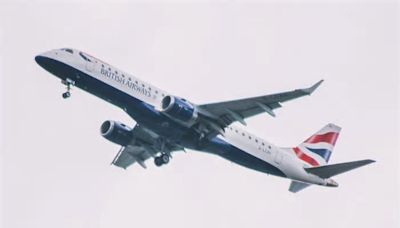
(179, 109)
(116, 132)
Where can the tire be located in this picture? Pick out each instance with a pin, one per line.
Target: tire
(158, 162)
(165, 158)
(66, 95)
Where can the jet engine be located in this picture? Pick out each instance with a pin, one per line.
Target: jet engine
(116, 132)
(179, 109)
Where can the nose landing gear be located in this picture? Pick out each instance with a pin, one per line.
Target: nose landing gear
(68, 82)
(66, 95)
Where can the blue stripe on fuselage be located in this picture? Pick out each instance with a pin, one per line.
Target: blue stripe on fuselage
(140, 111)
(146, 115)
(236, 155)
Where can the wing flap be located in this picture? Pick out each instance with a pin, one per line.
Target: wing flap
(123, 159)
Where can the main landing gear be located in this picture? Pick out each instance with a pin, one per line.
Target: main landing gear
(163, 159)
(68, 82)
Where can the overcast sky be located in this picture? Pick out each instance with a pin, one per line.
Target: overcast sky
(55, 166)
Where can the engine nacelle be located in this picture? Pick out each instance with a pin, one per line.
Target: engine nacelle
(116, 132)
(179, 109)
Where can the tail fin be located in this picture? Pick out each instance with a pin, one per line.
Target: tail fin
(317, 149)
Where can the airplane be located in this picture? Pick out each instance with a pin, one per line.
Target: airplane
(166, 123)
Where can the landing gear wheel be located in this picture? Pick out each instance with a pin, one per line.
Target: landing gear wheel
(66, 95)
(164, 158)
(158, 161)
(161, 160)
(68, 82)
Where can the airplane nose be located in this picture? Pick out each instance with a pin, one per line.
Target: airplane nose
(44, 61)
(40, 60)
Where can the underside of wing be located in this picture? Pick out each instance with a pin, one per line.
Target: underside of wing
(144, 145)
(123, 160)
(238, 110)
(131, 154)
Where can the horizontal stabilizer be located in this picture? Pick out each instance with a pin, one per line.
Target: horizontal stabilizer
(296, 186)
(327, 171)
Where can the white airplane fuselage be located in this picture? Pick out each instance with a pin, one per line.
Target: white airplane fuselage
(142, 102)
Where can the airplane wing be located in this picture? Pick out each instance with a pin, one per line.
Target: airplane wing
(144, 145)
(238, 110)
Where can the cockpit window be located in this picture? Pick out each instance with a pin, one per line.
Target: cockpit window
(84, 57)
(68, 50)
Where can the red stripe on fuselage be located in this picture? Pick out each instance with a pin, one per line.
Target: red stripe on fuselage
(329, 137)
(305, 157)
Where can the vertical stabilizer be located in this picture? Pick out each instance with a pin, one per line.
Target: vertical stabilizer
(317, 149)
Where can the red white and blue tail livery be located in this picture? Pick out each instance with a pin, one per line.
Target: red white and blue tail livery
(167, 124)
(317, 149)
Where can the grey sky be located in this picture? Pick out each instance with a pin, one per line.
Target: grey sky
(55, 165)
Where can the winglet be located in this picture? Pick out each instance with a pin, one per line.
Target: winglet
(311, 89)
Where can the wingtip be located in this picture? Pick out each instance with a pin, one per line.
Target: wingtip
(369, 161)
(313, 87)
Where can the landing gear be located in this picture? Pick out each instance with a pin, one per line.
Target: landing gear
(163, 159)
(66, 95)
(68, 82)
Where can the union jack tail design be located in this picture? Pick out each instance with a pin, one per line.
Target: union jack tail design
(317, 149)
